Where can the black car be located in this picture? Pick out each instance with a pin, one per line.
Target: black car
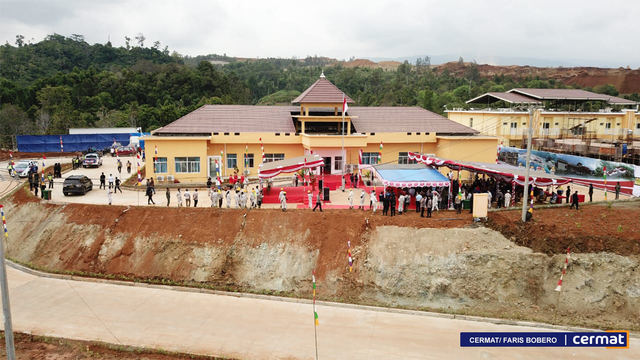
(78, 184)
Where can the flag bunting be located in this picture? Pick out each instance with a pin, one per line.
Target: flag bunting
(4, 222)
(315, 313)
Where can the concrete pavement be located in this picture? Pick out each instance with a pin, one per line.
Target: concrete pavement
(249, 328)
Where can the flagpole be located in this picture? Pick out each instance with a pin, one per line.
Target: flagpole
(315, 314)
(342, 154)
(6, 306)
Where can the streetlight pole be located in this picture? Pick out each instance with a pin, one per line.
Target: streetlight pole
(4, 287)
(525, 195)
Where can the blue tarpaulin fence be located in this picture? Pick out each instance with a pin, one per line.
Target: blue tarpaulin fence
(75, 142)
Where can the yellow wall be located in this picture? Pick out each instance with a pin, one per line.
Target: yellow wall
(493, 123)
(456, 148)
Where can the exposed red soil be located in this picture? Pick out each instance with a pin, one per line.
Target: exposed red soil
(593, 228)
(48, 348)
(625, 80)
(4, 155)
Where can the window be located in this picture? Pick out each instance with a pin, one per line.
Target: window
(273, 157)
(160, 165)
(514, 125)
(607, 126)
(249, 160)
(232, 161)
(403, 158)
(470, 122)
(638, 126)
(546, 125)
(187, 164)
(337, 163)
(369, 158)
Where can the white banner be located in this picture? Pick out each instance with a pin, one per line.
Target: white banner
(636, 186)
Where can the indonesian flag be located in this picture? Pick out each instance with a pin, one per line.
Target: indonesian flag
(360, 164)
(345, 107)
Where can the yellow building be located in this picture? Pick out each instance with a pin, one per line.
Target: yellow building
(233, 135)
(509, 119)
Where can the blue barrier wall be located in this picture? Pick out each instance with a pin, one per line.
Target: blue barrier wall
(75, 142)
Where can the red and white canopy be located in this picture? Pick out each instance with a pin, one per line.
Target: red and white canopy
(504, 172)
(271, 169)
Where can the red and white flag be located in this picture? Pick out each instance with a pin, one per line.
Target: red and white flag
(564, 271)
(345, 107)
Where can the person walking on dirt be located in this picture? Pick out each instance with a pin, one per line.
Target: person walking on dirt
(117, 186)
(259, 197)
(385, 203)
(119, 167)
(362, 199)
(149, 194)
(458, 202)
(351, 196)
(128, 167)
(318, 201)
(50, 178)
(618, 191)
(568, 194)
(178, 197)
(423, 204)
(574, 200)
(110, 181)
(434, 201)
(102, 181)
(590, 192)
(109, 196)
(310, 198)
(168, 194)
(187, 198)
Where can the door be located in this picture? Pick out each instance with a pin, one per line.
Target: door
(212, 166)
(327, 165)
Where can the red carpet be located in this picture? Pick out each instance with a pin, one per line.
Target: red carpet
(295, 195)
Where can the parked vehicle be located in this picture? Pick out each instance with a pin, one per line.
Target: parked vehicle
(76, 184)
(91, 150)
(127, 151)
(22, 167)
(92, 160)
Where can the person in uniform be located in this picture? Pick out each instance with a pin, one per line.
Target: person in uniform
(351, 197)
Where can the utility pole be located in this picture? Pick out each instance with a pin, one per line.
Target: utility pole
(4, 287)
(525, 195)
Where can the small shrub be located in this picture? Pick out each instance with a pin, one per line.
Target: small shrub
(619, 228)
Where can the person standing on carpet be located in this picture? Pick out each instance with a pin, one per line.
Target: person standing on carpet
(283, 200)
(310, 197)
(362, 199)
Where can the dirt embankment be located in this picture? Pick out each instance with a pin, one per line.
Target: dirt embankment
(4, 155)
(625, 80)
(34, 347)
(402, 261)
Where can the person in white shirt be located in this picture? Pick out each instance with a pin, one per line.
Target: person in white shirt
(362, 199)
(310, 197)
(374, 201)
(227, 197)
(488, 199)
(179, 198)
(436, 199)
(283, 200)
(187, 198)
(350, 198)
(507, 199)
(110, 179)
(236, 198)
(400, 204)
(214, 198)
(195, 198)
(252, 198)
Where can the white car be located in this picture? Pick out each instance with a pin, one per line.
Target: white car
(22, 167)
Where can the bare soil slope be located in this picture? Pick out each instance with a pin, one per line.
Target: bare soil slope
(405, 261)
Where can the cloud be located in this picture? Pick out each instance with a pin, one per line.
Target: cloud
(544, 29)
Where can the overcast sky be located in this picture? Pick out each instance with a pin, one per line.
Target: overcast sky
(586, 31)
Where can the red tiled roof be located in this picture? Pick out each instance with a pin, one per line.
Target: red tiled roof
(322, 91)
(403, 119)
(233, 118)
(513, 98)
(570, 94)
